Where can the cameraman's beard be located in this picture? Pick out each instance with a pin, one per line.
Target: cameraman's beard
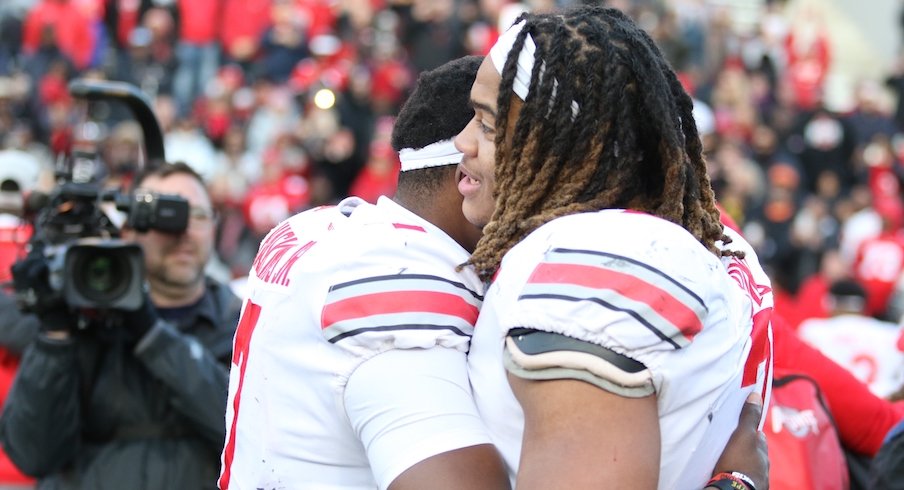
(179, 276)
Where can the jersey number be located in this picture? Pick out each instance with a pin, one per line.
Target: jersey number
(243, 332)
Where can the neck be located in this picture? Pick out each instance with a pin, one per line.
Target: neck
(443, 210)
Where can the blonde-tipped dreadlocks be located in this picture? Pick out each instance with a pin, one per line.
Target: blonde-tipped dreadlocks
(632, 144)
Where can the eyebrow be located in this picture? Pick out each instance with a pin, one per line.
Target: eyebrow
(484, 107)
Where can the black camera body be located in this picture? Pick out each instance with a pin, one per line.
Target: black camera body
(77, 230)
(152, 211)
(102, 274)
(87, 262)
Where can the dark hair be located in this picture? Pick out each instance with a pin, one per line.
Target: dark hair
(633, 143)
(847, 288)
(165, 170)
(438, 109)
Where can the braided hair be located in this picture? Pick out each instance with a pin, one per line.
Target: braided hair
(632, 144)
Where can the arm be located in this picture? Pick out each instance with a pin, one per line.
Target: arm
(746, 451)
(556, 432)
(414, 413)
(593, 438)
(40, 425)
(198, 380)
(474, 467)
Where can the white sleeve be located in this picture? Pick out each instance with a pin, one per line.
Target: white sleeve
(408, 405)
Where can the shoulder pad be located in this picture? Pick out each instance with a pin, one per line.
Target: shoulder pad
(535, 354)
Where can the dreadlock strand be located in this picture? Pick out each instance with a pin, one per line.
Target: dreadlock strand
(632, 144)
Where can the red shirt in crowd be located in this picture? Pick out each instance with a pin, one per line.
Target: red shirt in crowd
(199, 20)
(69, 25)
(877, 266)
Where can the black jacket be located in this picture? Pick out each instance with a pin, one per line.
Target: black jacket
(100, 411)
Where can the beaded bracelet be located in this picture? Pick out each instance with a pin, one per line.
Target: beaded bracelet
(734, 480)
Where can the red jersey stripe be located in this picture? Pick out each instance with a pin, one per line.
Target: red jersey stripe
(403, 226)
(387, 303)
(661, 301)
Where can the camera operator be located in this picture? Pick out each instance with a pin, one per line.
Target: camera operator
(141, 405)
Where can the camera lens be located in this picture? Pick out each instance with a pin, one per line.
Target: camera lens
(102, 278)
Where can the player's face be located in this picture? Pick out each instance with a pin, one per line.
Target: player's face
(477, 142)
(176, 262)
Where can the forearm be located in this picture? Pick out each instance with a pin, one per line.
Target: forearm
(40, 424)
(200, 383)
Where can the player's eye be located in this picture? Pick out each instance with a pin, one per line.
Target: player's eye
(484, 128)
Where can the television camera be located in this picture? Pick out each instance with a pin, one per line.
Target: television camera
(76, 254)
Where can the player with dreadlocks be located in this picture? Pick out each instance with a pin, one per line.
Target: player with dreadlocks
(612, 317)
(350, 366)
(350, 358)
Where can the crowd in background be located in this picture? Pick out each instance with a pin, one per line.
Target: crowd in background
(287, 104)
(283, 105)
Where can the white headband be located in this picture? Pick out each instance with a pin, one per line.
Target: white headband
(499, 53)
(432, 155)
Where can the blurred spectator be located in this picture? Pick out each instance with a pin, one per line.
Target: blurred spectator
(869, 119)
(278, 195)
(742, 181)
(148, 58)
(12, 14)
(769, 225)
(433, 32)
(236, 168)
(878, 264)
(242, 25)
(895, 82)
(185, 142)
(380, 173)
(196, 50)
(60, 23)
(141, 65)
(860, 222)
(810, 301)
(284, 43)
(808, 55)
(864, 346)
(121, 18)
(275, 114)
(814, 228)
(732, 103)
(825, 144)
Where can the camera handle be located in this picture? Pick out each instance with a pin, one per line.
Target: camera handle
(135, 100)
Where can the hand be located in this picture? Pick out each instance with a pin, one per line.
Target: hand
(31, 278)
(746, 451)
(141, 320)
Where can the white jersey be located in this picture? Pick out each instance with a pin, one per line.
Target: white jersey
(640, 286)
(749, 275)
(349, 362)
(863, 345)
